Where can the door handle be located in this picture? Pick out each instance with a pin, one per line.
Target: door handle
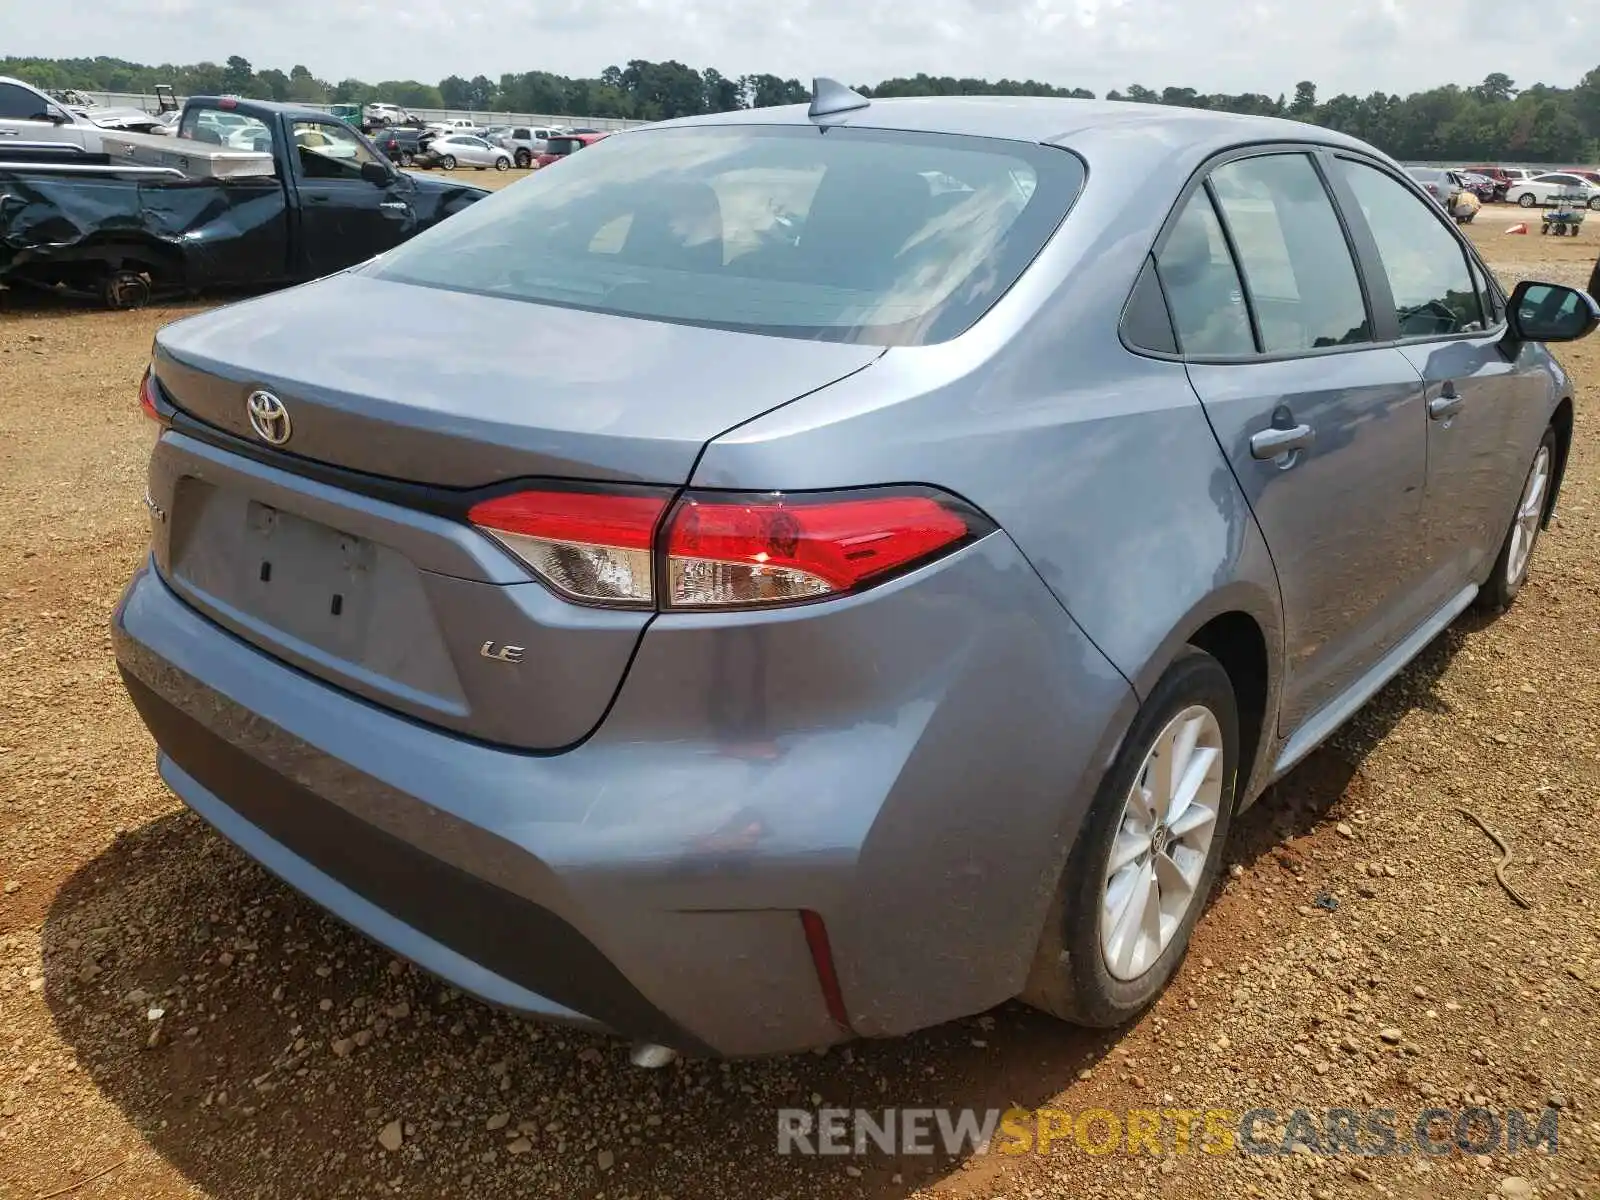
(1446, 404)
(318, 198)
(1271, 443)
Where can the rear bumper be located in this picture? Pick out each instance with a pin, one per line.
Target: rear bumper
(650, 880)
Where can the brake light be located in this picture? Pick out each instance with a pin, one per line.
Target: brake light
(779, 549)
(147, 396)
(722, 549)
(594, 547)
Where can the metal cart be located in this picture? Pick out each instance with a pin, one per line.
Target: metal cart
(1563, 215)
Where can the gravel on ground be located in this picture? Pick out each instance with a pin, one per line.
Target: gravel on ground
(174, 1022)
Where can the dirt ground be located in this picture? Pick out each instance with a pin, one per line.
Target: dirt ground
(174, 1022)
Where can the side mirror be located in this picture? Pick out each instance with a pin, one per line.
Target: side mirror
(1549, 312)
(56, 117)
(376, 173)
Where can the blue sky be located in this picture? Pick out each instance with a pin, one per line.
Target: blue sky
(1213, 45)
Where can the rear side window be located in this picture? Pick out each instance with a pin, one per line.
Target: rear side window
(1292, 249)
(1202, 284)
(1426, 266)
(845, 234)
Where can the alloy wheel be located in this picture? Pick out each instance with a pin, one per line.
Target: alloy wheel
(1163, 841)
(1530, 511)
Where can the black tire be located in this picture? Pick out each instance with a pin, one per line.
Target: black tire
(1069, 978)
(524, 159)
(125, 288)
(1526, 200)
(405, 159)
(1499, 592)
(502, 164)
(448, 162)
(1594, 203)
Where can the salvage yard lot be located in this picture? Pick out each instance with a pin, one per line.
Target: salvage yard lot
(170, 1012)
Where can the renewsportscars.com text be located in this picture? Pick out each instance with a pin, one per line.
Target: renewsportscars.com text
(1371, 1133)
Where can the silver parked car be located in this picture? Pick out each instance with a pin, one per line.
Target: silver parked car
(880, 607)
(470, 151)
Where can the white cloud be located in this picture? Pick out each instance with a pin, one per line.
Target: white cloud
(1211, 45)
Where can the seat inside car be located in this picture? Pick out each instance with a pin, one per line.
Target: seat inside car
(678, 229)
(860, 223)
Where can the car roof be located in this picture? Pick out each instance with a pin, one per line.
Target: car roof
(236, 104)
(1047, 119)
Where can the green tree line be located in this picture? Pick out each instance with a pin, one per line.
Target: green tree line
(1492, 120)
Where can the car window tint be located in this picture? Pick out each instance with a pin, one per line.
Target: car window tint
(329, 151)
(1293, 253)
(1202, 284)
(1425, 264)
(19, 104)
(887, 237)
(1146, 322)
(226, 129)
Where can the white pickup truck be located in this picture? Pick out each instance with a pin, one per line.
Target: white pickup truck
(454, 125)
(28, 115)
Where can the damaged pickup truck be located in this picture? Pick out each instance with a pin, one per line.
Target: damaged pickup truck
(248, 194)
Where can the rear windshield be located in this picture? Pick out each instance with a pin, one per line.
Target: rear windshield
(841, 234)
(564, 145)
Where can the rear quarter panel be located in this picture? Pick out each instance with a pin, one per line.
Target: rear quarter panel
(1098, 462)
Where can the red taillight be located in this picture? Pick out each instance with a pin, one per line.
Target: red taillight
(590, 546)
(722, 550)
(781, 549)
(147, 396)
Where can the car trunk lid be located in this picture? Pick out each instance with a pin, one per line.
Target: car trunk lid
(462, 390)
(345, 552)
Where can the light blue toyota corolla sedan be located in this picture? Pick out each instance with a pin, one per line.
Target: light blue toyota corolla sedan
(887, 545)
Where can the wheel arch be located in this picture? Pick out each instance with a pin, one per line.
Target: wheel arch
(1561, 421)
(1239, 625)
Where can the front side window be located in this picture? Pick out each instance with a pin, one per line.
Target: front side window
(329, 151)
(844, 234)
(1426, 266)
(1202, 284)
(19, 104)
(1292, 249)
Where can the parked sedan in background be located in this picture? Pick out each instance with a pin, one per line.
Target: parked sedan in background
(1557, 185)
(1481, 186)
(1503, 177)
(858, 678)
(469, 151)
(399, 144)
(1439, 183)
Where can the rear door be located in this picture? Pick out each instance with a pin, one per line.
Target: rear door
(1322, 424)
(344, 219)
(1485, 414)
